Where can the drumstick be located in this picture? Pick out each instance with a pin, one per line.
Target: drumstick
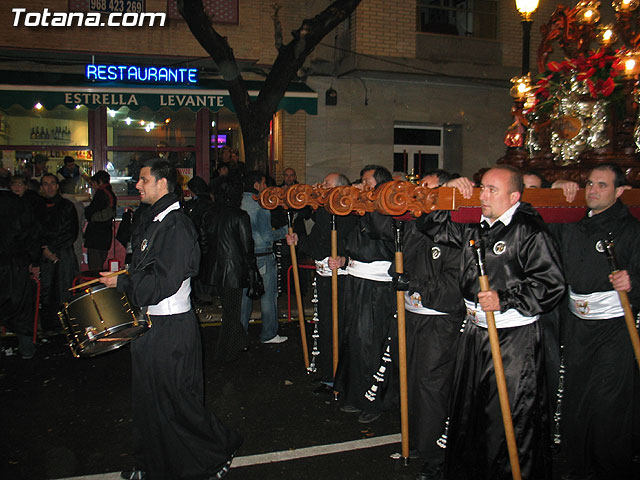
(96, 280)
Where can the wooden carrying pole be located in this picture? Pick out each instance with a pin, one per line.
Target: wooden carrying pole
(402, 350)
(296, 281)
(624, 301)
(501, 381)
(334, 294)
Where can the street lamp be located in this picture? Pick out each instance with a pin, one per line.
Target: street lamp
(526, 9)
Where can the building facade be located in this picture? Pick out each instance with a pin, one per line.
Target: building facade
(408, 84)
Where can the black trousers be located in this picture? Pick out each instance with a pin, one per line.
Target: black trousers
(17, 298)
(174, 436)
(233, 337)
(55, 280)
(476, 444)
(431, 351)
(325, 324)
(598, 406)
(367, 375)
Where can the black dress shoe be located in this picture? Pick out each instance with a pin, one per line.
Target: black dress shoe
(350, 409)
(133, 474)
(323, 390)
(430, 471)
(366, 417)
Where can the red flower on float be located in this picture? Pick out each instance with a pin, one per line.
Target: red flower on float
(608, 86)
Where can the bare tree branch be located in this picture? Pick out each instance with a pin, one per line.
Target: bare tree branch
(277, 26)
(254, 115)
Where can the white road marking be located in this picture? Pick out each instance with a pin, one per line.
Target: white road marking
(285, 455)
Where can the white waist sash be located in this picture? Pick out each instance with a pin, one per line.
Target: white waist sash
(413, 303)
(510, 318)
(378, 270)
(596, 305)
(179, 302)
(322, 268)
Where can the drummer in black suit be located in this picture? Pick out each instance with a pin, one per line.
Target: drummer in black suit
(174, 436)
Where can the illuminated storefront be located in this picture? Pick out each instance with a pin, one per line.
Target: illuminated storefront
(114, 125)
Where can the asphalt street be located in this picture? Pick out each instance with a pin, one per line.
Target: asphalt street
(64, 417)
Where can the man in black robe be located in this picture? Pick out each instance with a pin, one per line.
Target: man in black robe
(526, 279)
(318, 247)
(174, 436)
(598, 406)
(58, 225)
(434, 314)
(366, 377)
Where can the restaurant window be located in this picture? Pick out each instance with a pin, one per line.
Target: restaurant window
(134, 136)
(55, 133)
(473, 18)
(417, 148)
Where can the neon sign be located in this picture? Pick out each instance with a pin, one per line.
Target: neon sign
(132, 73)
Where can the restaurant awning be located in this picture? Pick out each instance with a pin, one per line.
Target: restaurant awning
(210, 94)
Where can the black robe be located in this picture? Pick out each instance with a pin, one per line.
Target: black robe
(523, 266)
(318, 247)
(369, 345)
(434, 272)
(174, 435)
(598, 404)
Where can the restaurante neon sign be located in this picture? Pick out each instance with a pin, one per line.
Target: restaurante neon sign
(132, 73)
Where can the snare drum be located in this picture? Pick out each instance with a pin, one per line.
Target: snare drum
(101, 320)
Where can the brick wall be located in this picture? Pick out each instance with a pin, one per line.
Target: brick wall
(385, 27)
(291, 136)
(251, 39)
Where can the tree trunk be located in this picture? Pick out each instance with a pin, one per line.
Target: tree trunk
(254, 115)
(256, 146)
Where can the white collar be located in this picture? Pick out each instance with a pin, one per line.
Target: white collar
(165, 212)
(504, 218)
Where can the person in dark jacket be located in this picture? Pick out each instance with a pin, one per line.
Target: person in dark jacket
(58, 223)
(100, 214)
(201, 201)
(229, 262)
(195, 209)
(19, 253)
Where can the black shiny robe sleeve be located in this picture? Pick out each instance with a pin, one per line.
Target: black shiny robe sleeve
(521, 259)
(371, 239)
(586, 265)
(171, 256)
(433, 270)
(318, 244)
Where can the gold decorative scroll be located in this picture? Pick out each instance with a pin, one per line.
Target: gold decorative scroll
(301, 195)
(346, 199)
(398, 197)
(272, 198)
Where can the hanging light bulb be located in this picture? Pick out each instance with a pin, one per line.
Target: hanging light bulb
(589, 14)
(606, 35)
(625, 5)
(521, 87)
(631, 62)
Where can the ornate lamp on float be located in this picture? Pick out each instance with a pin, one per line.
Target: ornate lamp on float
(584, 108)
(521, 93)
